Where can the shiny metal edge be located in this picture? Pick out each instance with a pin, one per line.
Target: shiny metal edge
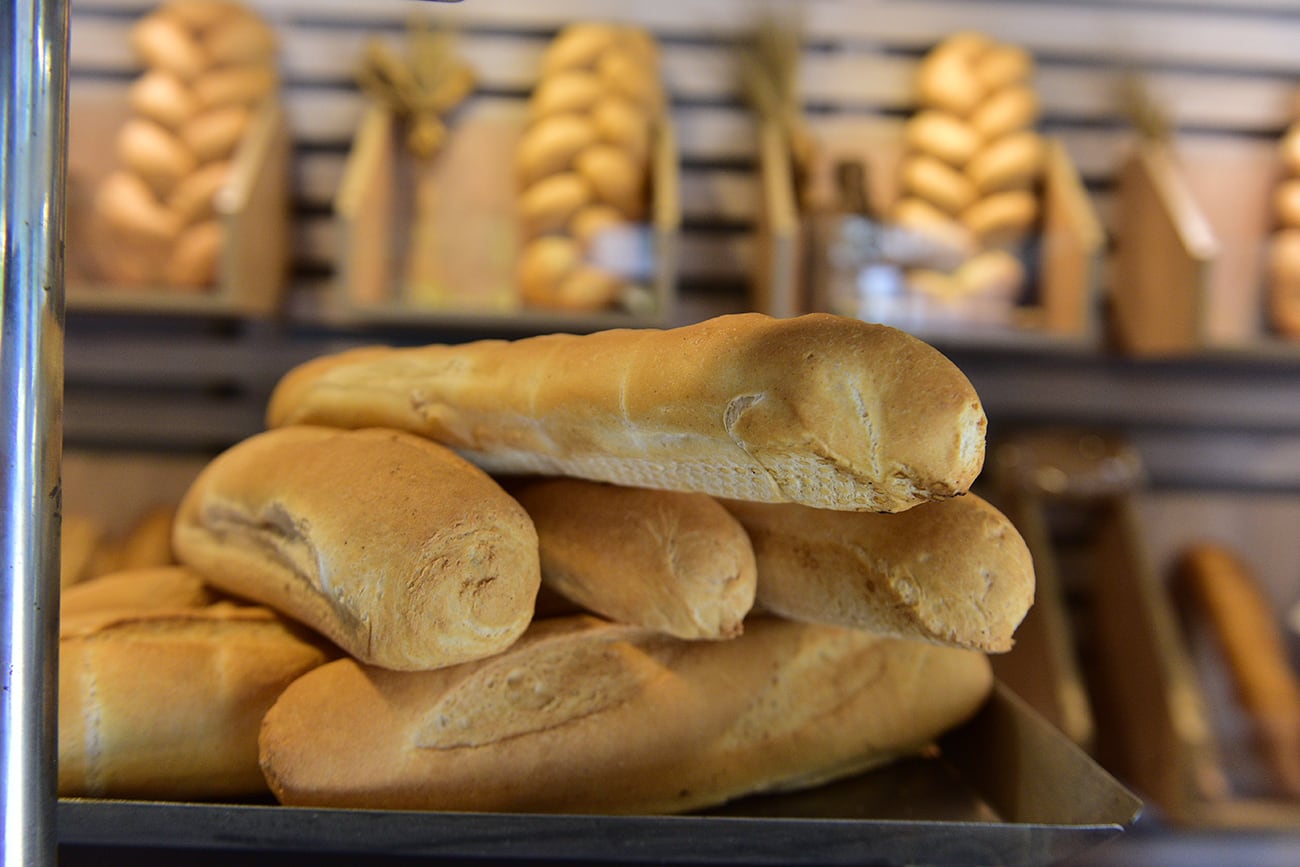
(33, 122)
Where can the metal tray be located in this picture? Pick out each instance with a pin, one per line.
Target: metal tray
(1006, 788)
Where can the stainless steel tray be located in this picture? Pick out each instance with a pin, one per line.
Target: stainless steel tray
(1006, 788)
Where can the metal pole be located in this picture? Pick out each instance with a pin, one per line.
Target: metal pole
(33, 121)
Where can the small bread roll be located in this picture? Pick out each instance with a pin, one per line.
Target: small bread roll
(1002, 218)
(594, 220)
(549, 204)
(1286, 203)
(195, 198)
(195, 261)
(161, 97)
(398, 550)
(199, 15)
(148, 542)
(615, 177)
(550, 145)
(937, 182)
(1005, 111)
(1003, 66)
(621, 123)
(236, 85)
(1012, 162)
(920, 216)
(239, 40)
(578, 46)
(543, 265)
(625, 76)
(574, 91)
(214, 135)
(138, 589)
(1284, 257)
(588, 287)
(160, 158)
(160, 42)
(1291, 150)
(126, 204)
(996, 273)
(941, 135)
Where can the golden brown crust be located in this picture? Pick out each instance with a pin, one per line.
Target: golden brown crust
(400, 552)
(818, 409)
(583, 716)
(167, 704)
(138, 589)
(955, 572)
(670, 561)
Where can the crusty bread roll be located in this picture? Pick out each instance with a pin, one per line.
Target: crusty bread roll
(401, 553)
(1221, 592)
(138, 589)
(148, 542)
(670, 561)
(583, 716)
(823, 410)
(954, 573)
(167, 703)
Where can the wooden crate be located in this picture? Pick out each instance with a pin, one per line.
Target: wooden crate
(254, 206)
(468, 275)
(1191, 239)
(1070, 252)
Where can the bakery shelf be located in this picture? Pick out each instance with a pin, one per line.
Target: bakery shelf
(1004, 788)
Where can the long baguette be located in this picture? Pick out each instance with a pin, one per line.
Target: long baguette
(398, 551)
(585, 716)
(955, 572)
(822, 410)
(666, 560)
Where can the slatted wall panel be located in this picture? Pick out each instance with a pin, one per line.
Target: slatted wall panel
(1222, 69)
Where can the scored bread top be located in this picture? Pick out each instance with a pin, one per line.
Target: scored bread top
(822, 410)
(400, 552)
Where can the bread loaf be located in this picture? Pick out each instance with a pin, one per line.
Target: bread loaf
(1220, 592)
(670, 561)
(137, 589)
(167, 704)
(388, 544)
(822, 410)
(584, 716)
(954, 573)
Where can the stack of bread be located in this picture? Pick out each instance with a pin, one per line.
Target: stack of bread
(206, 66)
(1284, 246)
(584, 166)
(631, 571)
(972, 165)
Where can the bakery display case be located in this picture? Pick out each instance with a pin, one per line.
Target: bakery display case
(1151, 314)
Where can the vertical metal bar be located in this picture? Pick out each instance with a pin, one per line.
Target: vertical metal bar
(33, 135)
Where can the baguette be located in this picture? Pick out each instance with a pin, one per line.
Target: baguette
(584, 716)
(138, 589)
(398, 551)
(955, 573)
(167, 704)
(822, 410)
(1219, 588)
(670, 561)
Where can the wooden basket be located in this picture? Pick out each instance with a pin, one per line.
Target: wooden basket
(1070, 253)
(253, 206)
(469, 275)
